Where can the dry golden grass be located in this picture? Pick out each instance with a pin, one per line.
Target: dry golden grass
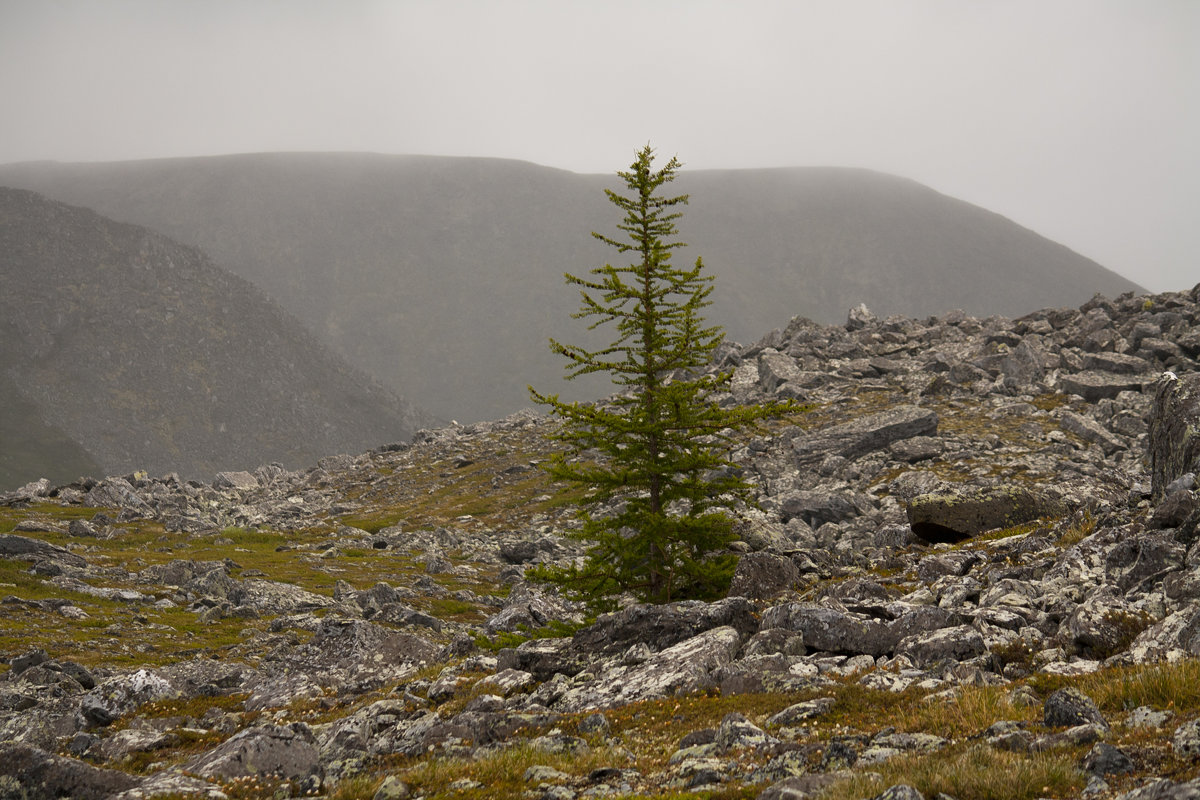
(975, 772)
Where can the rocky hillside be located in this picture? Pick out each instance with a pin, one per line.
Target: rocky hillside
(121, 350)
(440, 276)
(971, 575)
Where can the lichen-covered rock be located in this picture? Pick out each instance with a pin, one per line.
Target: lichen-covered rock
(661, 626)
(37, 774)
(1071, 707)
(960, 643)
(116, 697)
(283, 751)
(899, 792)
(799, 787)
(1144, 560)
(27, 549)
(1105, 759)
(681, 668)
(816, 507)
(799, 712)
(963, 513)
(833, 630)
(169, 783)
(1090, 430)
(736, 732)
(1174, 430)
(527, 608)
(1104, 622)
(1174, 636)
(762, 576)
(852, 440)
(1186, 740)
(1096, 385)
(1163, 789)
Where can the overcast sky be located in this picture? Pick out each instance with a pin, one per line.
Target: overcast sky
(1079, 119)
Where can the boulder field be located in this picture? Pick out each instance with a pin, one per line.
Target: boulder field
(973, 558)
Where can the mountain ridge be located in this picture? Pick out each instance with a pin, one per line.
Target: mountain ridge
(148, 356)
(440, 275)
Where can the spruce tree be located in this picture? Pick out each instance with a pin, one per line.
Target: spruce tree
(654, 457)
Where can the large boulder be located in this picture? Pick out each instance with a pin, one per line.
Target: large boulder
(26, 549)
(661, 626)
(858, 437)
(833, 630)
(818, 507)
(1174, 430)
(280, 751)
(1070, 707)
(680, 669)
(118, 696)
(959, 643)
(1096, 385)
(32, 772)
(761, 576)
(960, 514)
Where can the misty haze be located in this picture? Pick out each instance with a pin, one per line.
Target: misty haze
(279, 516)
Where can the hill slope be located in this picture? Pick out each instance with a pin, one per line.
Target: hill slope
(442, 276)
(125, 350)
(372, 628)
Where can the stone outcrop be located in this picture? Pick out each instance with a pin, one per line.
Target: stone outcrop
(1174, 430)
(956, 515)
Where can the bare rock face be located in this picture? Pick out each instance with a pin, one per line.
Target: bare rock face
(1174, 430)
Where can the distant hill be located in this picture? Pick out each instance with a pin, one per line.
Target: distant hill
(443, 276)
(121, 349)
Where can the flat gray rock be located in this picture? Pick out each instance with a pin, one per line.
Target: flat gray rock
(858, 437)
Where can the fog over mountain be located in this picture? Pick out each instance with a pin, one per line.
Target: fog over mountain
(443, 276)
(123, 350)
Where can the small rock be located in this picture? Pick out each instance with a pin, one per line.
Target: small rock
(801, 711)
(1146, 717)
(737, 732)
(899, 792)
(1070, 707)
(1104, 759)
(1186, 740)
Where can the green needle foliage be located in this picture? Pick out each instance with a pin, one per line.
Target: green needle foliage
(659, 448)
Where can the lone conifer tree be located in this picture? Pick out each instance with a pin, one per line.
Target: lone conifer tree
(662, 440)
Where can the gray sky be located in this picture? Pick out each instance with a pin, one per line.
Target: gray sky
(1079, 119)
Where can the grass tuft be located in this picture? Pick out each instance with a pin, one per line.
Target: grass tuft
(976, 772)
